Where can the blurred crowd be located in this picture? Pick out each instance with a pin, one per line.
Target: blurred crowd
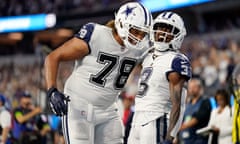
(15, 7)
(212, 60)
(25, 74)
(22, 86)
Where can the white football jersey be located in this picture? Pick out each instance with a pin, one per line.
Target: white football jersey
(99, 76)
(153, 87)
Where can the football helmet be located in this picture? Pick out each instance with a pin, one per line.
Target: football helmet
(131, 20)
(167, 31)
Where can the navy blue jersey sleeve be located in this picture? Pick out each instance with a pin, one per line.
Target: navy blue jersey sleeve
(181, 65)
(86, 32)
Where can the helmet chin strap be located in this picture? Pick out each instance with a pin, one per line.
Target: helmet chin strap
(170, 48)
(157, 52)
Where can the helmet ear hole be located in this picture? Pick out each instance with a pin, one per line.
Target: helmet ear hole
(121, 25)
(176, 31)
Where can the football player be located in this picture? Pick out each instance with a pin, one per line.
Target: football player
(161, 93)
(104, 57)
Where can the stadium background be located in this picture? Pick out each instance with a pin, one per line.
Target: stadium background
(212, 43)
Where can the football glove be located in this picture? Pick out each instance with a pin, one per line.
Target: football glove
(58, 102)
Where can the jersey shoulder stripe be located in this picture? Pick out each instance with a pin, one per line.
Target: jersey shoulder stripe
(181, 64)
(85, 33)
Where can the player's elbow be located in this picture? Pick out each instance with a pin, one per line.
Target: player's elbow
(51, 58)
(48, 59)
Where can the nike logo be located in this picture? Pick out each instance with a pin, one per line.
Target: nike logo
(145, 124)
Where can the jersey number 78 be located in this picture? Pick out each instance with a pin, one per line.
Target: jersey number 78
(111, 62)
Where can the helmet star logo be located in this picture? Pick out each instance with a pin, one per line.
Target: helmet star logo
(128, 10)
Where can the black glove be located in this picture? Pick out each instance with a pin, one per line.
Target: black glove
(58, 101)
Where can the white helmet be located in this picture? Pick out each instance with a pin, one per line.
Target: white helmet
(171, 39)
(133, 15)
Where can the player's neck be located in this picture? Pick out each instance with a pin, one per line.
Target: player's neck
(117, 38)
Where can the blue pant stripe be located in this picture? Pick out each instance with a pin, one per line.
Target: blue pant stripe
(164, 125)
(65, 129)
(158, 130)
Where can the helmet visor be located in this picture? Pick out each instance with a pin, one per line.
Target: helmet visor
(137, 34)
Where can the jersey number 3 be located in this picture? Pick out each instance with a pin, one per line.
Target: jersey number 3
(111, 62)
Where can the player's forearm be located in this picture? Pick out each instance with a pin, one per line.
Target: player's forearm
(51, 68)
(175, 94)
(174, 116)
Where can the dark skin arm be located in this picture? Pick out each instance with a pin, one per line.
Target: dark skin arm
(71, 50)
(176, 83)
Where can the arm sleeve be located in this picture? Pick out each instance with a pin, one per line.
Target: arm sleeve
(181, 65)
(85, 33)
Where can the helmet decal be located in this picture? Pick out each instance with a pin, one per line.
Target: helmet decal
(128, 10)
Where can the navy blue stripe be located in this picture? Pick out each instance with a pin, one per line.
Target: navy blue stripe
(145, 14)
(163, 15)
(164, 126)
(86, 33)
(150, 18)
(158, 130)
(170, 14)
(67, 129)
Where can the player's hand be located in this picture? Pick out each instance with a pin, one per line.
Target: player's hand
(58, 101)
